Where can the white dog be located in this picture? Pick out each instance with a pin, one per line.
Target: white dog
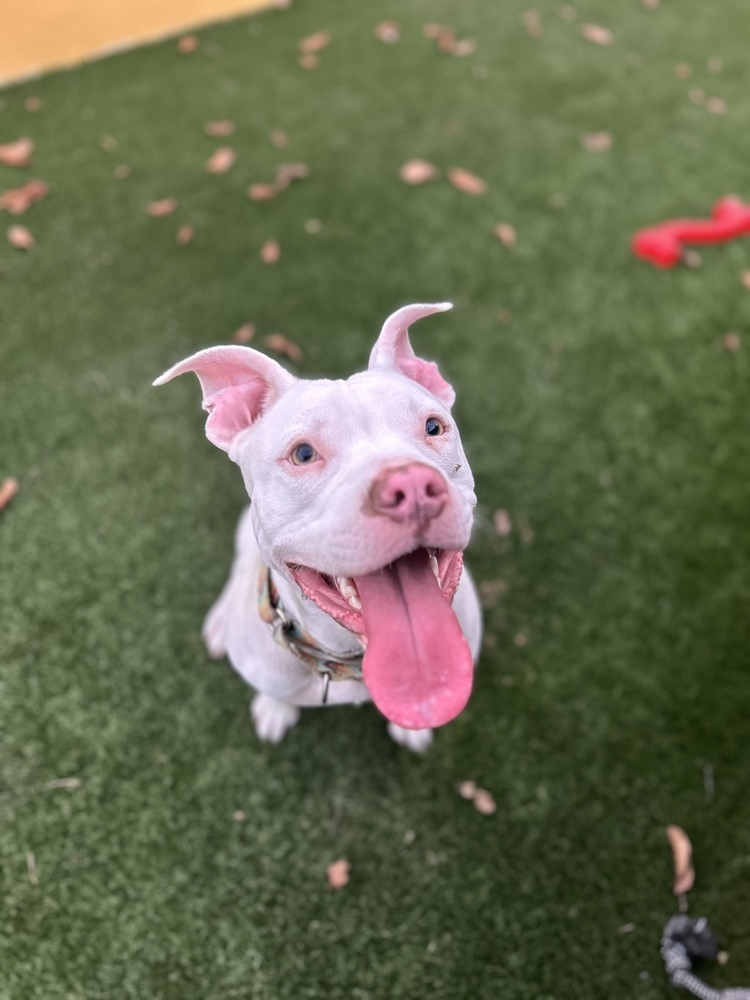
(348, 581)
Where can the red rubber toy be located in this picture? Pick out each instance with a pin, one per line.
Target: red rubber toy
(662, 245)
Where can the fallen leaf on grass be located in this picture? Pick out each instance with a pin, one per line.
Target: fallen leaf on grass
(520, 640)
(465, 47)
(732, 341)
(108, 143)
(446, 40)
(337, 873)
(314, 43)
(185, 235)
(122, 171)
(308, 60)
(32, 104)
(244, 334)
(714, 65)
(716, 105)
(288, 172)
(31, 868)
(467, 182)
(484, 802)
(216, 129)
(506, 234)
(19, 200)
(696, 96)
(682, 855)
(221, 160)
(418, 172)
(21, 238)
(69, 783)
(597, 142)
(388, 32)
(187, 44)
(283, 345)
(597, 35)
(683, 71)
(8, 490)
(18, 153)
(261, 192)
(567, 13)
(270, 252)
(279, 138)
(158, 209)
(313, 226)
(502, 522)
(431, 30)
(532, 22)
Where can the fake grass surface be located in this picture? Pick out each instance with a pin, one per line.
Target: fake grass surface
(606, 415)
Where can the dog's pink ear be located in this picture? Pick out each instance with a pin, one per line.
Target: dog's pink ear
(237, 383)
(393, 350)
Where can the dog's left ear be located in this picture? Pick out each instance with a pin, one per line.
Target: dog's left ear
(393, 350)
(238, 384)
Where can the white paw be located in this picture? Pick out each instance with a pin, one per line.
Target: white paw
(214, 631)
(272, 718)
(416, 740)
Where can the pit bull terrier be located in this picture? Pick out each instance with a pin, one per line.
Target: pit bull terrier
(348, 581)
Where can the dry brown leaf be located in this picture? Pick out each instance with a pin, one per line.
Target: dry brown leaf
(502, 522)
(465, 47)
(261, 192)
(283, 345)
(431, 30)
(682, 855)
(691, 258)
(279, 138)
(683, 71)
(467, 789)
(596, 34)
(532, 22)
(337, 873)
(716, 105)
(388, 32)
(418, 172)
(506, 234)
(520, 640)
(239, 816)
(745, 279)
(185, 235)
(32, 104)
(714, 65)
(158, 209)
(122, 171)
(16, 201)
(21, 238)
(288, 172)
(270, 252)
(8, 489)
(597, 142)
(484, 802)
(18, 153)
(308, 60)
(221, 160)
(217, 129)
(446, 40)
(467, 182)
(732, 341)
(696, 96)
(314, 43)
(108, 143)
(244, 334)
(313, 226)
(187, 44)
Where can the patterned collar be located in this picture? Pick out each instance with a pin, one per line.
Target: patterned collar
(290, 634)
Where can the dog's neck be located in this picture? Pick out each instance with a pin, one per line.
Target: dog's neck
(325, 630)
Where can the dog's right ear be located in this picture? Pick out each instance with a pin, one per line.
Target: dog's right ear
(238, 384)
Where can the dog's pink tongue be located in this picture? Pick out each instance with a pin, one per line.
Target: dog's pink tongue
(418, 666)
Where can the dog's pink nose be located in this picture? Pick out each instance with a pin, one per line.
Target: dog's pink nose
(412, 492)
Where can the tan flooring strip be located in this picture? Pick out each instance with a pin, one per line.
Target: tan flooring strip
(40, 35)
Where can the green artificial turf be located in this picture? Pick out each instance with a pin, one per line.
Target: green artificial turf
(606, 416)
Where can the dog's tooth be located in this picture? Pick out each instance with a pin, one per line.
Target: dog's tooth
(354, 602)
(435, 569)
(346, 586)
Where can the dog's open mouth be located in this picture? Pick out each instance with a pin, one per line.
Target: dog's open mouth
(417, 665)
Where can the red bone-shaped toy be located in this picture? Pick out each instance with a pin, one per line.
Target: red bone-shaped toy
(662, 245)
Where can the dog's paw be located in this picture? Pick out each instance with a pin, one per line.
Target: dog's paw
(214, 631)
(272, 718)
(416, 740)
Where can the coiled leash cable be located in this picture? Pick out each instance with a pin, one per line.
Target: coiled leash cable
(684, 941)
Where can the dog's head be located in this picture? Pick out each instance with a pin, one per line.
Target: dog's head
(362, 495)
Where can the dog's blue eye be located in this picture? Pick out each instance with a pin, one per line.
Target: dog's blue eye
(303, 454)
(433, 427)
